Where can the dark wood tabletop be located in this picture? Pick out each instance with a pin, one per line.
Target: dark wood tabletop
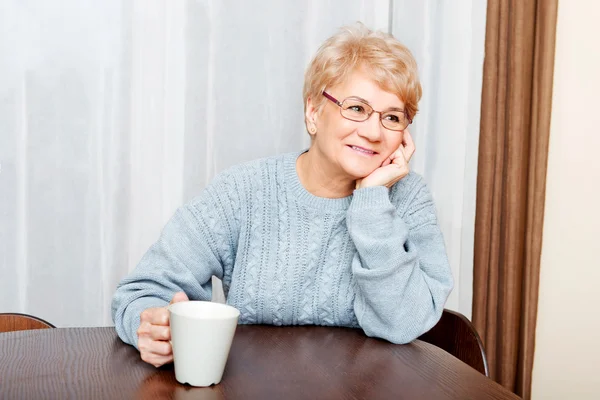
(265, 362)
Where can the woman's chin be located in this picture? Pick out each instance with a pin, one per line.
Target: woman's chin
(359, 172)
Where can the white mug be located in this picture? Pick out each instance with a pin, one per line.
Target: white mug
(201, 336)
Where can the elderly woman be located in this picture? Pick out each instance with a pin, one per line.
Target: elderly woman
(342, 234)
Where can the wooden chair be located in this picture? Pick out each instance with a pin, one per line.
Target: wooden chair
(455, 334)
(10, 322)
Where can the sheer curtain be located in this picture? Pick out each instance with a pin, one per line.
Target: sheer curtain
(113, 113)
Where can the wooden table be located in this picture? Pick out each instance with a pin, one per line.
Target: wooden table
(265, 363)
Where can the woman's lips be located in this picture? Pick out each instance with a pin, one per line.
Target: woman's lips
(362, 150)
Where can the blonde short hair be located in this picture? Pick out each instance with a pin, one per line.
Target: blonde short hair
(390, 63)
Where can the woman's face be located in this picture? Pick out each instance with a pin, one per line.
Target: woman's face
(350, 148)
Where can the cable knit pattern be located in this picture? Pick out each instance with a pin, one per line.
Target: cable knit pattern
(231, 206)
(256, 238)
(283, 255)
(375, 259)
(310, 272)
(329, 270)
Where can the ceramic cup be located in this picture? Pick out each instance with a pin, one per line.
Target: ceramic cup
(201, 336)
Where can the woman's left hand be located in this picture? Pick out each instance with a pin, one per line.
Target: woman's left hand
(394, 168)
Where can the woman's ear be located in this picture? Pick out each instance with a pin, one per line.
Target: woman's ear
(311, 115)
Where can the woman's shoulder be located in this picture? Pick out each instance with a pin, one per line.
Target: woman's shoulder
(245, 177)
(235, 183)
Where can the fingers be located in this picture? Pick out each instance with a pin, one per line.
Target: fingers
(154, 332)
(154, 352)
(158, 332)
(393, 173)
(398, 157)
(387, 161)
(153, 340)
(178, 297)
(155, 316)
(408, 145)
(405, 151)
(158, 361)
(159, 347)
(401, 168)
(160, 315)
(399, 153)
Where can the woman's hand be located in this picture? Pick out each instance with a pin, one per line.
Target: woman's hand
(394, 168)
(154, 334)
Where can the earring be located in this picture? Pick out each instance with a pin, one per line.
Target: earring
(313, 130)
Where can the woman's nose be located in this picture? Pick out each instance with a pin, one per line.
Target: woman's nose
(372, 128)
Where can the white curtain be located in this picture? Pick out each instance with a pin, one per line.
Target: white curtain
(113, 113)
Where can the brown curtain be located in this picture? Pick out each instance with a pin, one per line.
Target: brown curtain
(511, 183)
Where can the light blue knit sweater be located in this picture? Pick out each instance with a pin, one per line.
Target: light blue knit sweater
(374, 260)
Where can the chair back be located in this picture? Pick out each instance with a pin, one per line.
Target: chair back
(10, 322)
(455, 334)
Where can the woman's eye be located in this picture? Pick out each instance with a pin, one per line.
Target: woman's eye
(357, 109)
(392, 117)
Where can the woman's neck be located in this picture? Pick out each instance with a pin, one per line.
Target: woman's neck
(318, 177)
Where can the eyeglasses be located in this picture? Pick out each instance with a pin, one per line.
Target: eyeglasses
(356, 109)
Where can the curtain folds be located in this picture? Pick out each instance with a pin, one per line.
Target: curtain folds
(115, 112)
(513, 151)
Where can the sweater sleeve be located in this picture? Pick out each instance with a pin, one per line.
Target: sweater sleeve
(196, 243)
(401, 269)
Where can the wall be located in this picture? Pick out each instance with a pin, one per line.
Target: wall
(567, 350)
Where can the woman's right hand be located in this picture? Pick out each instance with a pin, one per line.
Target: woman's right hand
(394, 168)
(154, 333)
